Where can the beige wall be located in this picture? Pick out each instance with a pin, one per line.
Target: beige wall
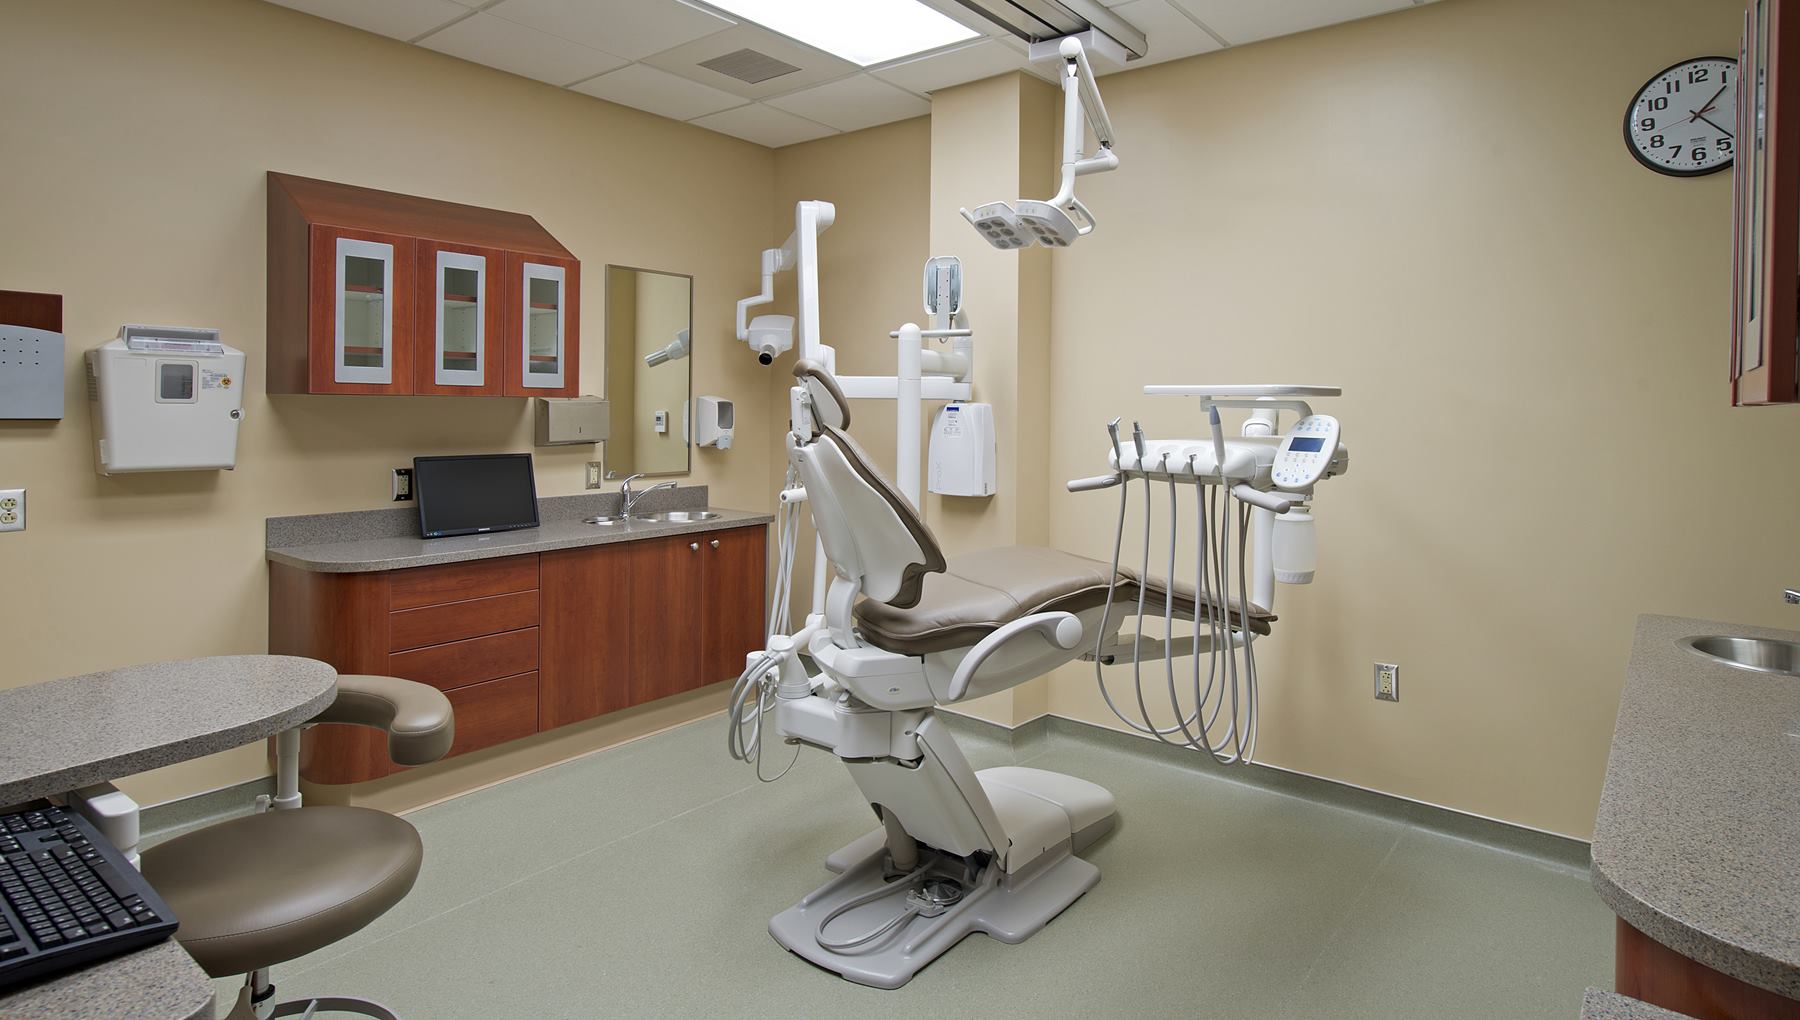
(138, 135)
(1434, 209)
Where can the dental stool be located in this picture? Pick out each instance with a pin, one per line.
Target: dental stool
(905, 630)
(272, 887)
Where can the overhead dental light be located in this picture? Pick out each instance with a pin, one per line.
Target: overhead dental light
(1057, 222)
(676, 350)
(863, 32)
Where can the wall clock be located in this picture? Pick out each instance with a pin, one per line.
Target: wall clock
(1682, 121)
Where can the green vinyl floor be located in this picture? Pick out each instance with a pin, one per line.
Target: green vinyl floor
(638, 882)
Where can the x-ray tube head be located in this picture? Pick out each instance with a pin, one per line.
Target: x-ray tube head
(676, 350)
(770, 336)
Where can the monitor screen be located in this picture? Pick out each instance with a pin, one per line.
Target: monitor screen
(1307, 444)
(472, 495)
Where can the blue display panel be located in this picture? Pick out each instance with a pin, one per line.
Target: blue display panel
(1307, 444)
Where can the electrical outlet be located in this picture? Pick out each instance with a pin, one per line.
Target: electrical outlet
(12, 509)
(593, 474)
(403, 485)
(1387, 681)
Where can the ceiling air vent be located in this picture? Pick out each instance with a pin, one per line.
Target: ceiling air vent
(749, 66)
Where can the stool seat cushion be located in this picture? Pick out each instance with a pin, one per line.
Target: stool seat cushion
(257, 891)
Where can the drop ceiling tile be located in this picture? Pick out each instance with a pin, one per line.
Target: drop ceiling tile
(763, 125)
(397, 19)
(1243, 21)
(629, 28)
(510, 46)
(853, 103)
(973, 62)
(816, 66)
(1172, 34)
(659, 92)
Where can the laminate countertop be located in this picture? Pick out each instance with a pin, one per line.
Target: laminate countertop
(161, 982)
(399, 552)
(1697, 841)
(1599, 1005)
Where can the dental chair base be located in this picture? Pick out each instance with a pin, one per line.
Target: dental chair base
(882, 920)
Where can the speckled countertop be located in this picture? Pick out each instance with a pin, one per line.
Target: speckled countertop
(161, 982)
(362, 541)
(70, 733)
(1599, 1005)
(1697, 841)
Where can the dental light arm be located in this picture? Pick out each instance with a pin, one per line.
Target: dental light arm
(1053, 223)
(675, 351)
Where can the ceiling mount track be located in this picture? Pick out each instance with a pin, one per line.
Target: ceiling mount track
(1045, 20)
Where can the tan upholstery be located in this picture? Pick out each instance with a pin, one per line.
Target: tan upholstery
(417, 717)
(1156, 595)
(979, 592)
(257, 891)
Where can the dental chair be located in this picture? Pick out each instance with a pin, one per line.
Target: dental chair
(906, 630)
(272, 887)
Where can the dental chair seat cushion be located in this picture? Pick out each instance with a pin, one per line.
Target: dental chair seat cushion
(254, 892)
(981, 591)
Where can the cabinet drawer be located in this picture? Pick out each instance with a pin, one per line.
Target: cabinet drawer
(455, 582)
(454, 621)
(494, 712)
(461, 663)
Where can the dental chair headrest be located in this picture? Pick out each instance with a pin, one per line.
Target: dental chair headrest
(830, 408)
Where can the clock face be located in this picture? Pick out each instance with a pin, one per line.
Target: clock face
(1682, 121)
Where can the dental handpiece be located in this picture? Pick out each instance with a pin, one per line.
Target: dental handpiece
(1112, 429)
(1137, 440)
(1218, 438)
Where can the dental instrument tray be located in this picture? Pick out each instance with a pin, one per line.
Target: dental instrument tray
(68, 897)
(475, 495)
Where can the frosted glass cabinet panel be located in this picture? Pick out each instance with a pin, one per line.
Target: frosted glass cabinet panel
(544, 313)
(364, 342)
(462, 326)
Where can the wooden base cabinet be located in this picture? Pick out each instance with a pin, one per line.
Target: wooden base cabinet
(521, 644)
(1647, 970)
(638, 621)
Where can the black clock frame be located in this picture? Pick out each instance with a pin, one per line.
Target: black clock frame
(1631, 147)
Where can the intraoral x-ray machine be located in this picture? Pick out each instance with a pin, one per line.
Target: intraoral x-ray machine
(1053, 223)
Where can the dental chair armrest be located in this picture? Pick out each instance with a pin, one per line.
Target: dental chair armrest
(1062, 630)
(417, 718)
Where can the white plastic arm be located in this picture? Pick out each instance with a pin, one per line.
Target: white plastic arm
(1096, 482)
(1267, 500)
(1061, 630)
(774, 260)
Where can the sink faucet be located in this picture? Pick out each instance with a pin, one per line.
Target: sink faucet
(628, 500)
(1790, 596)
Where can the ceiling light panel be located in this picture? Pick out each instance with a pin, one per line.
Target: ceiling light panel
(863, 32)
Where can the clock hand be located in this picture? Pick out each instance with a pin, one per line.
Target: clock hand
(1708, 105)
(1716, 127)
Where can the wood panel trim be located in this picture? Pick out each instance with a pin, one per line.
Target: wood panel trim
(494, 712)
(457, 621)
(1648, 970)
(32, 310)
(416, 587)
(461, 663)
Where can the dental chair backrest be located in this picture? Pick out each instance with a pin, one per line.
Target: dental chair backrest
(872, 534)
(829, 405)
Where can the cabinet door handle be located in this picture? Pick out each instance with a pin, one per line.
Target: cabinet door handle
(694, 546)
(715, 543)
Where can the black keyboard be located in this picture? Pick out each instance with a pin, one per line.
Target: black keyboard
(68, 897)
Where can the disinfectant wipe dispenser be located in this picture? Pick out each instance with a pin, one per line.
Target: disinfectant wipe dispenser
(165, 398)
(961, 461)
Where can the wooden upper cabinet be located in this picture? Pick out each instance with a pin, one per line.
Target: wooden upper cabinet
(1765, 335)
(461, 320)
(374, 292)
(544, 303)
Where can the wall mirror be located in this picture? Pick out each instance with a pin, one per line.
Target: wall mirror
(649, 316)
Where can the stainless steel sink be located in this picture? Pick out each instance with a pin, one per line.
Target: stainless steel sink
(1759, 655)
(677, 516)
(604, 519)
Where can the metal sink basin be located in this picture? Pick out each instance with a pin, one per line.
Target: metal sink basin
(1759, 655)
(604, 519)
(677, 516)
